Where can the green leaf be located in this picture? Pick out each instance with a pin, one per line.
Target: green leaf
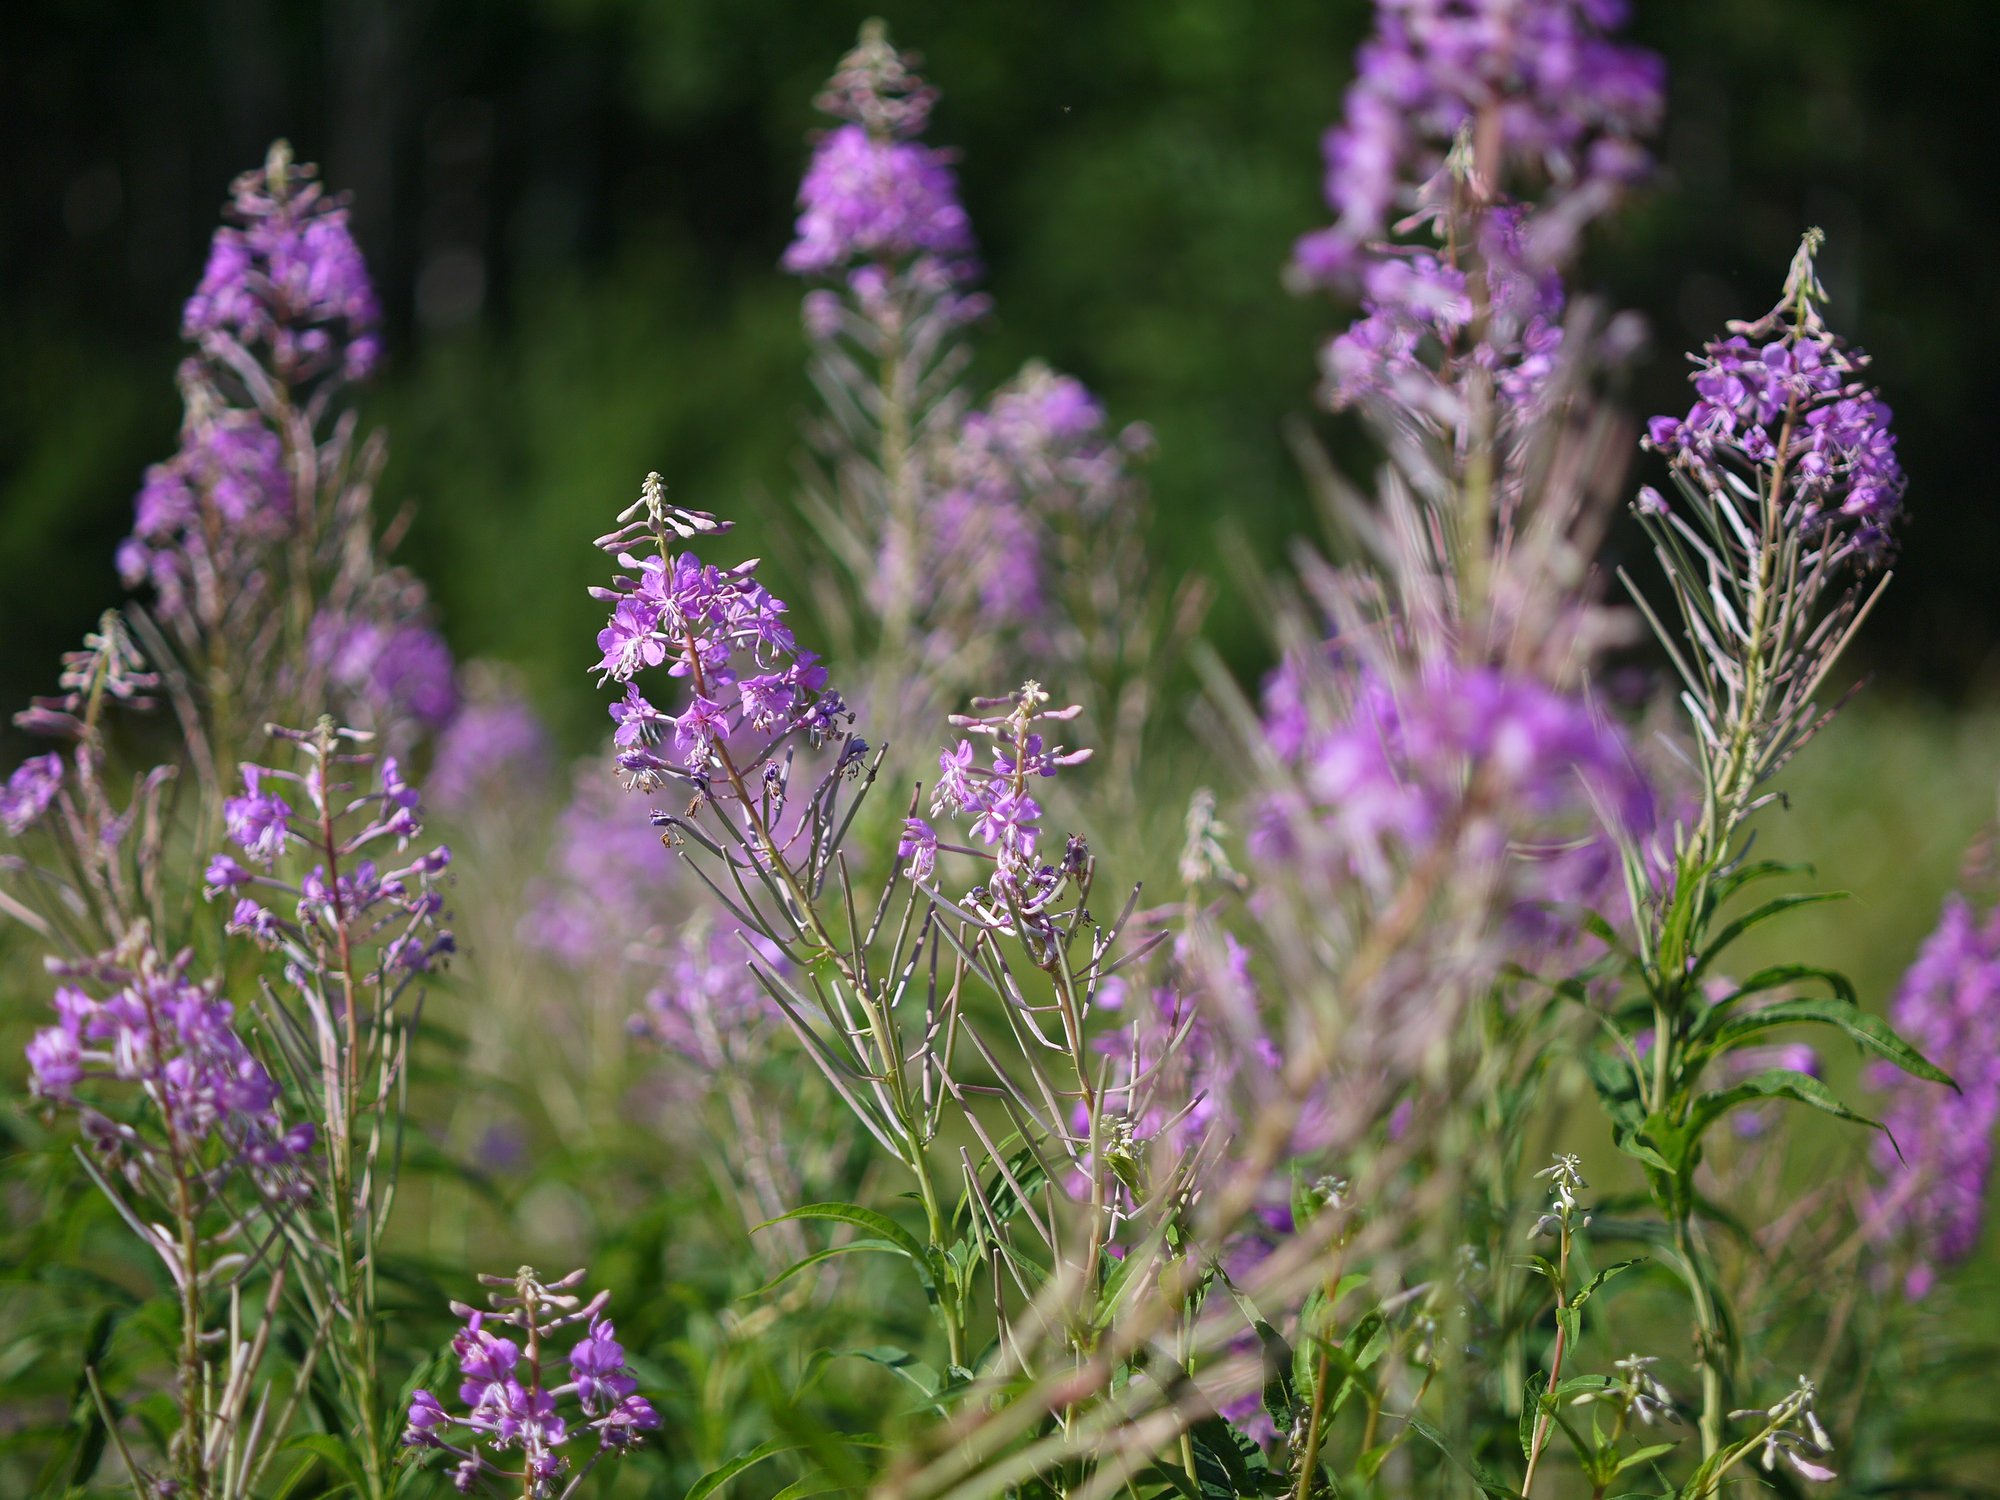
(879, 1226)
(1757, 917)
(904, 1363)
(876, 1224)
(1280, 1395)
(1170, 1474)
(1489, 1483)
(1603, 1276)
(1531, 1410)
(828, 1254)
(1722, 887)
(1642, 1455)
(1617, 1087)
(1348, 1283)
(810, 1484)
(1226, 1463)
(715, 1479)
(1772, 1083)
(1871, 1032)
(329, 1450)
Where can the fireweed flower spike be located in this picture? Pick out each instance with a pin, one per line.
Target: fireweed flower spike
(1453, 104)
(153, 1026)
(875, 193)
(1784, 420)
(869, 198)
(750, 689)
(1931, 1198)
(1788, 487)
(284, 306)
(973, 541)
(1006, 819)
(1534, 85)
(288, 278)
(521, 1427)
(255, 542)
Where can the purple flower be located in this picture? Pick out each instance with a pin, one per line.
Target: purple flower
(709, 1007)
(55, 1062)
(598, 1363)
(869, 199)
(426, 1416)
(483, 1357)
(396, 671)
(606, 867)
(288, 276)
(767, 699)
(254, 921)
(1783, 401)
(1932, 1196)
(505, 1413)
(177, 1040)
(631, 640)
(1021, 889)
(620, 1428)
(1036, 454)
(1550, 90)
(919, 847)
(29, 791)
(639, 723)
(1013, 821)
(258, 821)
(223, 874)
(1382, 769)
(1529, 84)
(498, 744)
(955, 789)
(724, 632)
(413, 674)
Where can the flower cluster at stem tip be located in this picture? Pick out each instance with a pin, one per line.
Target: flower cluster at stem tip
(1782, 414)
(1451, 99)
(510, 1406)
(875, 195)
(750, 685)
(396, 908)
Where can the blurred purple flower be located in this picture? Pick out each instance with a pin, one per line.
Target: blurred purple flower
(1932, 1194)
(29, 791)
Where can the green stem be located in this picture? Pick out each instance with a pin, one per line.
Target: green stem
(1542, 1422)
(1309, 1458)
(880, 1023)
(1617, 1432)
(1708, 1332)
(348, 1213)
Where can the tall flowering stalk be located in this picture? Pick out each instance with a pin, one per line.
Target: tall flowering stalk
(255, 540)
(184, 1129)
(333, 881)
(244, 943)
(1787, 483)
(881, 993)
(973, 540)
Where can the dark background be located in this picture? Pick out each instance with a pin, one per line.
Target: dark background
(574, 210)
